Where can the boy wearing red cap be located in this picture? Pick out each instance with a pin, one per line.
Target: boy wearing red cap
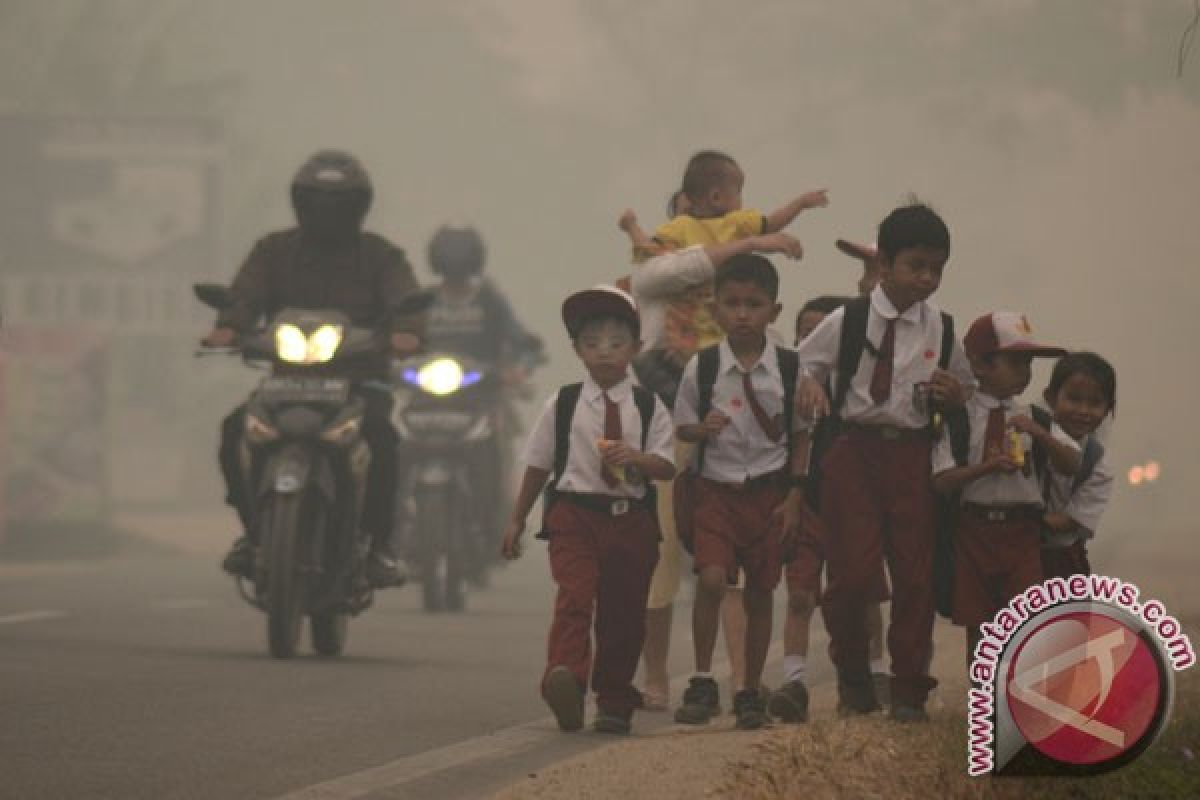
(603, 441)
(999, 472)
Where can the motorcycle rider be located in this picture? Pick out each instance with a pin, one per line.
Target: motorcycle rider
(326, 261)
(471, 317)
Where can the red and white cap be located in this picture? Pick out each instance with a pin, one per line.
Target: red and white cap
(863, 252)
(605, 300)
(1005, 332)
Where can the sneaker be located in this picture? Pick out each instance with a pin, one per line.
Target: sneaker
(790, 702)
(907, 713)
(239, 561)
(609, 722)
(883, 687)
(654, 699)
(384, 572)
(856, 695)
(750, 709)
(562, 693)
(701, 702)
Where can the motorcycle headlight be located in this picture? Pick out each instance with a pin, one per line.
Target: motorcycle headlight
(440, 377)
(292, 346)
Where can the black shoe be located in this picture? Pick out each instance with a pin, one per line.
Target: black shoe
(701, 702)
(239, 561)
(562, 693)
(790, 702)
(608, 722)
(856, 694)
(750, 709)
(384, 572)
(906, 713)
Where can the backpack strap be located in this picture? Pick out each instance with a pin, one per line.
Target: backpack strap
(851, 344)
(1042, 417)
(958, 428)
(707, 361)
(947, 341)
(564, 413)
(1093, 451)
(643, 398)
(789, 370)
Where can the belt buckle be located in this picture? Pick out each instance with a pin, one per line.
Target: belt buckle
(996, 516)
(619, 508)
(889, 432)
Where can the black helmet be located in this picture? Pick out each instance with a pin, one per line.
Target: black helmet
(330, 195)
(456, 251)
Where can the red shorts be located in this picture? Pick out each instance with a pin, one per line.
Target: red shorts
(993, 563)
(733, 528)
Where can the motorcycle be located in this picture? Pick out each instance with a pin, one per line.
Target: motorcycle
(305, 463)
(446, 414)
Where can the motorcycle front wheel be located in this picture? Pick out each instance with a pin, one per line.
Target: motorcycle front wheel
(286, 583)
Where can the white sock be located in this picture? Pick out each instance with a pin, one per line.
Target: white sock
(878, 667)
(795, 668)
(708, 675)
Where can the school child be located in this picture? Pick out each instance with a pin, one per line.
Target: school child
(1081, 394)
(600, 443)
(735, 402)
(894, 365)
(802, 577)
(998, 475)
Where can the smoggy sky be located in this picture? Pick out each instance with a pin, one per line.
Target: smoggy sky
(1055, 138)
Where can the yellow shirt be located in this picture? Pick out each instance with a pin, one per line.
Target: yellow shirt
(685, 230)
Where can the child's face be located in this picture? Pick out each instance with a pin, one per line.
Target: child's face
(606, 348)
(744, 310)
(806, 323)
(727, 196)
(1080, 405)
(1005, 374)
(913, 275)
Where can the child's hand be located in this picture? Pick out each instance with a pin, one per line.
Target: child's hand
(946, 389)
(787, 517)
(782, 243)
(511, 547)
(616, 453)
(1001, 462)
(627, 220)
(815, 199)
(811, 401)
(1024, 424)
(713, 424)
(1058, 522)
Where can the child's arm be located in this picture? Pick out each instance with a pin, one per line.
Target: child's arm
(712, 425)
(654, 467)
(628, 222)
(1063, 453)
(780, 218)
(531, 486)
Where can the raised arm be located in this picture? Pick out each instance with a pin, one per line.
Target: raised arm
(781, 217)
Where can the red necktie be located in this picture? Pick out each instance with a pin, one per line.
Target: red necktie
(993, 435)
(881, 378)
(612, 432)
(769, 426)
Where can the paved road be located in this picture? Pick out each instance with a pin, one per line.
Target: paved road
(146, 676)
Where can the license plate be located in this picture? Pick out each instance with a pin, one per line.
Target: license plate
(304, 390)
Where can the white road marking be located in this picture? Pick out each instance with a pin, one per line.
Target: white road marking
(504, 742)
(31, 616)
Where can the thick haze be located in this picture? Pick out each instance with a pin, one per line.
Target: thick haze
(1055, 138)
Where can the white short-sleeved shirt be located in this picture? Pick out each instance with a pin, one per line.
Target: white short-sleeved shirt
(1085, 505)
(917, 348)
(742, 450)
(1022, 487)
(582, 472)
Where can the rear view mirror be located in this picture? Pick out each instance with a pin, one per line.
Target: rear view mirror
(213, 295)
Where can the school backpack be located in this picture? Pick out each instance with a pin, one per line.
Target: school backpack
(564, 415)
(707, 361)
(851, 344)
(958, 428)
